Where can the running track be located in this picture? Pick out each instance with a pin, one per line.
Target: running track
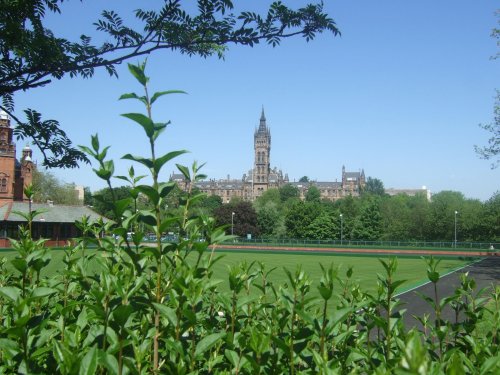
(478, 253)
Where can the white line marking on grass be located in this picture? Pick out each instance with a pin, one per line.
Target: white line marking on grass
(446, 274)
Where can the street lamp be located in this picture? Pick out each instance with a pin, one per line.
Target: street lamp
(341, 229)
(232, 223)
(456, 212)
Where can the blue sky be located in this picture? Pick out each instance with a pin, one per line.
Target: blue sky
(400, 94)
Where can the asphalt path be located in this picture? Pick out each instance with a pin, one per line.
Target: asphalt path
(485, 272)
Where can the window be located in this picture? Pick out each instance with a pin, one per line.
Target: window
(4, 184)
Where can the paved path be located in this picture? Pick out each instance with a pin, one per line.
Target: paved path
(486, 272)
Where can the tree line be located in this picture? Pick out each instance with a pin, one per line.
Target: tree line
(280, 213)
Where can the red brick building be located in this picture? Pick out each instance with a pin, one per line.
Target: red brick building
(56, 223)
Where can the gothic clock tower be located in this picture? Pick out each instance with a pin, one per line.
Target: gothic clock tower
(262, 148)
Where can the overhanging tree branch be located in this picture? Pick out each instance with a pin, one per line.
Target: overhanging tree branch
(31, 55)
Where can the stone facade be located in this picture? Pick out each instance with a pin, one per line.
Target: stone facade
(262, 177)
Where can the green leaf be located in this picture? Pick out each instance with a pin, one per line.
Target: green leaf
(9, 347)
(490, 364)
(109, 361)
(20, 264)
(121, 205)
(340, 315)
(165, 188)
(433, 276)
(11, 292)
(166, 312)
(139, 159)
(88, 366)
(185, 171)
(133, 95)
(160, 162)
(150, 192)
(208, 342)
(122, 313)
(233, 357)
(325, 292)
(41, 292)
(88, 151)
(94, 139)
(156, 95)
(245, 300)
(143, 120)
(138, 72)
(147, 217)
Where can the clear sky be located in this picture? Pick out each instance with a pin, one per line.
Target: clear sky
(400, 94)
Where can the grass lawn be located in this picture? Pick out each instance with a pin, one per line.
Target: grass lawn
(366, 268)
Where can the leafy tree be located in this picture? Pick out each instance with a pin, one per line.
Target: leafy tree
(304, 179)
(313, 194)
(396, 218)
(209, 204)
(88, 200)
(491, 218)
(472, 220)
(374, 186)
(420, 223)
(269, 220)
(368, 225)
(245, 218)
(270, 196)
(442, 215)
(492, 150)
(289, 191)
(349, 208)
(47, 187)
(299, 217)
(33, 55)
(324, 227)
(103, 199)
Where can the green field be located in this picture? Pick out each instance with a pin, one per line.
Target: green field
(366, 268)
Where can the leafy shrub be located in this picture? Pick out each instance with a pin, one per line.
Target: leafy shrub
(131, 308)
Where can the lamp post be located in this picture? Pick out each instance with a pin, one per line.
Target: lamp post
(341, 229)
(456, 212)
(232, 223)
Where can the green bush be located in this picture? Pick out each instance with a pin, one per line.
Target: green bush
(130, 308)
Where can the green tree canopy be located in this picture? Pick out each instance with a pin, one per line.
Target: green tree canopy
(47, 187)
(102, 199)
(299, 217)
(492, 150)
(374, 186)
(289, 191)
(313, 194)
(244, 219)
(32, 55)
(270, 196)
(368, 225)
(324, 227)
(304, 179)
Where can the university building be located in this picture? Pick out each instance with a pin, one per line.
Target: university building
(262, 177)
(56, 223)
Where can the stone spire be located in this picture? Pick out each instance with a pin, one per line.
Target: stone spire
(262, 126)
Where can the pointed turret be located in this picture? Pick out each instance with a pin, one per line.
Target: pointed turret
(262, 126)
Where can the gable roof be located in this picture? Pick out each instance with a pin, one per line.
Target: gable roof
(50, 213)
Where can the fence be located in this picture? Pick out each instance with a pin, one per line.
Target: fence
(371, 244)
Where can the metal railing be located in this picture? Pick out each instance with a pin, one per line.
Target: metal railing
(494, 246)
